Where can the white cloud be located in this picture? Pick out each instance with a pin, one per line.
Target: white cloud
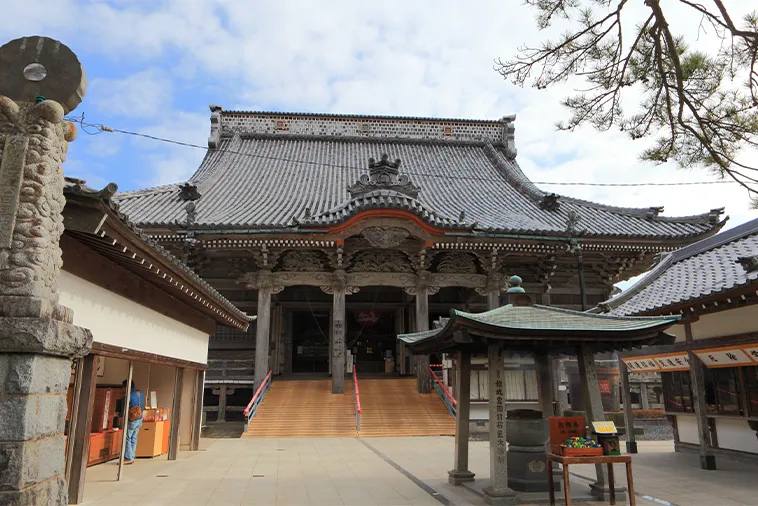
(144, 94)
(395, 57)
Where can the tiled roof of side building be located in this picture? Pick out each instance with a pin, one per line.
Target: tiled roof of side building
(709, 267)
(274, 171)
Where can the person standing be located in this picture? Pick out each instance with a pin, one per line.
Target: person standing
(133, 421)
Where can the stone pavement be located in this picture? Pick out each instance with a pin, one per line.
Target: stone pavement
(379, 472)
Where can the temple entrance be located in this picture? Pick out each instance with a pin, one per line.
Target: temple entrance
(310, 342)
(372, 339)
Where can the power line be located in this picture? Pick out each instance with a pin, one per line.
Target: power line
(103, 128)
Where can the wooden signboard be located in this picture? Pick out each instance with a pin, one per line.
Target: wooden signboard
(564, 427)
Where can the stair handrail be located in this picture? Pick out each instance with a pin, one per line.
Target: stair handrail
(444, 394)
(357, 395)
(255, 402)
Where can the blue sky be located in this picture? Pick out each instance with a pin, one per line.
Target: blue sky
(153, 66)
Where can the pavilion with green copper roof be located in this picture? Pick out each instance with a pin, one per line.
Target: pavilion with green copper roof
(521, 328)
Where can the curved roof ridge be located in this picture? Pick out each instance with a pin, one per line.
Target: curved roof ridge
(367, 116)
(164, 188)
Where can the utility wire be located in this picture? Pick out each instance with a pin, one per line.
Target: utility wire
(103, 128)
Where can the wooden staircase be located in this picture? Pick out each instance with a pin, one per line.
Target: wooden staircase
(304, 408)
(391, 407)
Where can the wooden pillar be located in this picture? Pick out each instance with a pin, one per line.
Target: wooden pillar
(222, 401)
(460, 472)
(400, 329)
(125, 419)
(262, 333)
(176, 410)
(593, 405)
(288, 334)
(631, 441)
(75, 402)
(79, 430)
(197, 420)
(545, 384)
(422, 324)
(644, 402)
(697, 381)
(493, 299)
(497, 492)
(338, 341)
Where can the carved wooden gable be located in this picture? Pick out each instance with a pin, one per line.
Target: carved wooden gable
(303, 261)
(381, 261)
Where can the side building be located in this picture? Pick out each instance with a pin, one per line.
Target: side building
(710, 374)
(150, 317)
(343, 231)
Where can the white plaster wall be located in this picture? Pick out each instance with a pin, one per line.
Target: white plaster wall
(118, 321)
(736, 435)
(726, 323)
(687, 427)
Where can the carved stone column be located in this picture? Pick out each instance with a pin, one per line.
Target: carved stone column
(37, 337)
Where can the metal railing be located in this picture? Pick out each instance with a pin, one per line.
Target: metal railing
(257, 399)
(357, 400)
(444, 394)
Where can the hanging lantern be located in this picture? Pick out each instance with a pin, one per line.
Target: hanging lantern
(367, 318)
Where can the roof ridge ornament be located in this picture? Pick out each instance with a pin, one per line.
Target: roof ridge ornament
(384, 175)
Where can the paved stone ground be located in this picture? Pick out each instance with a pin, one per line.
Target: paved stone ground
(380, 472)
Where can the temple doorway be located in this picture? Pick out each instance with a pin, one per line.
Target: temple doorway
(310, 342)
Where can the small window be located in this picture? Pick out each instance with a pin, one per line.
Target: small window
(447, 130)
(281, 124)
(722, 393)
(677, 392)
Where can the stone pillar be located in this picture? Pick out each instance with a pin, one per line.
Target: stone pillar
(631, 441)
(497, 492)
(338, 341)
(697, 382)
(176, 410)
(460, 472)
(37, 337)
(593, 406)
(422, 323)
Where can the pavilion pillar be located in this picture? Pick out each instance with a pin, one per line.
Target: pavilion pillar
(422, 324)
(176, 411)
(631, 442)
(460, 472)
(338, 341)
(593, 406)
(697, 381)
(547, 405)
(79, 427)
(197, 416)
(497, 492)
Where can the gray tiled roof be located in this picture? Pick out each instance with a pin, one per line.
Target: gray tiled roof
(708, 267)
(259, 178)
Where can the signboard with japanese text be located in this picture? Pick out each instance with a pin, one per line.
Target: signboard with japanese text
(752, 352)
(724, 357)
(499, 416)
(673, 362)
(641, 364)
(564, 427)
(604, 427)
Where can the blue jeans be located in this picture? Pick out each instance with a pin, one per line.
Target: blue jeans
(132, 430)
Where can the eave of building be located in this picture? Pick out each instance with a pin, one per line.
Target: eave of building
(100, 226)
